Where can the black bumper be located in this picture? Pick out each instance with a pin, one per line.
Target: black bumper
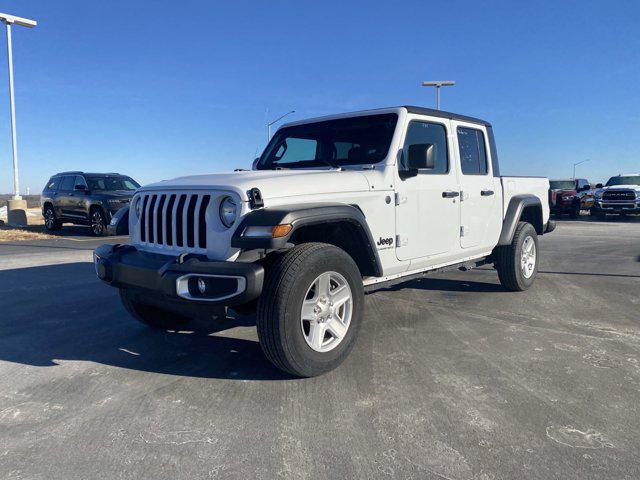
(226, 283)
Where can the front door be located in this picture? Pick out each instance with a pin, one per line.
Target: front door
(427, 204)
(480, 207)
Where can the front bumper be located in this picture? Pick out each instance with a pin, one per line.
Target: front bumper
(559, 208)
(617, 207)
(177, 279)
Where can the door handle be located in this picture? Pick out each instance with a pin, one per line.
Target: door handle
(450, 194)
(486, 193)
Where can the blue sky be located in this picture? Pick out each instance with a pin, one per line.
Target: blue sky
(158, 89)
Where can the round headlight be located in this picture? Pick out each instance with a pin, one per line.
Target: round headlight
(138, 207)
(227, 211)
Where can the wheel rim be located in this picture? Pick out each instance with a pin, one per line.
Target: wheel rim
(49, 219)
(96, 223)
(528, 257)
(326, 312)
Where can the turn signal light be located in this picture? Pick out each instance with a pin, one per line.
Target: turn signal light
(281, 230)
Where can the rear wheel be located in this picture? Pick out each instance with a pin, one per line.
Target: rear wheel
(517, 263)
(51, 222)
(149, 315)
(310, 310)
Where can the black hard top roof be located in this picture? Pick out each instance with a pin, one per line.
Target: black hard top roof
(442, 114)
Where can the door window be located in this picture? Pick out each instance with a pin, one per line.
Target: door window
(80, 181)
(53, 183)
(67, 183)
(473, 154)
(429, 133)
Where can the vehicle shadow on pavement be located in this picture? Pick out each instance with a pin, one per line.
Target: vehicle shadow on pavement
(62, 312)
(446, 285)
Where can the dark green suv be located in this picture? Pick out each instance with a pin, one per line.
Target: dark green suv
(83, 198)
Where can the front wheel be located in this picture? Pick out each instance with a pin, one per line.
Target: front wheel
(310, 310)
(98, 223)
(517, 263)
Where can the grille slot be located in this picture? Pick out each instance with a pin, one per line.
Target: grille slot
(619, 195)
(174, 220)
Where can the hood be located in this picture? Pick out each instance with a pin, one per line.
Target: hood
(117, 194)
(620, 187)
(272, 183)
(564, 191)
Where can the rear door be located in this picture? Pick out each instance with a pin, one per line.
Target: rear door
(64, 198)
(480, 202)
(427, 203)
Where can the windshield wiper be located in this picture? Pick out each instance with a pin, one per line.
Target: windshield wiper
(328, 163)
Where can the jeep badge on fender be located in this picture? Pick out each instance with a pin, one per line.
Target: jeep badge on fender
(303, 256)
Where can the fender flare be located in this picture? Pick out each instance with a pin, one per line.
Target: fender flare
(299, 216)
(517, 204)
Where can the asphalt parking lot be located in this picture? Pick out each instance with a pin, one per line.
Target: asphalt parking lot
(452, 378)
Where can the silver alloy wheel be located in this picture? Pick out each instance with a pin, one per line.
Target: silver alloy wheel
(326, 312)
(49, 219)
(97, 224)
(528, 257)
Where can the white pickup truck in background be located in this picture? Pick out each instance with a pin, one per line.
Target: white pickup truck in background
(333, 207)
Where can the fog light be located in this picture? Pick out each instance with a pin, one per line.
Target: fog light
(202, 285)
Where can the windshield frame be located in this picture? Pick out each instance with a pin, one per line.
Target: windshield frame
(89, 178)
(636, 177)
(305, 130)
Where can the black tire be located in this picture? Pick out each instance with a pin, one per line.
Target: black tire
(149, 315)
(279, 308)
(51, 222)
(98, 222)
(508, 258)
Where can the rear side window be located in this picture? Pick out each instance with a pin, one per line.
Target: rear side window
(433, 133)
(473, 154)
(67, 183)
(53, 183)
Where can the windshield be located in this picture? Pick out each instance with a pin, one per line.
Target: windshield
(110, 183)
(628, 180)
(345, 141)
(562, 184)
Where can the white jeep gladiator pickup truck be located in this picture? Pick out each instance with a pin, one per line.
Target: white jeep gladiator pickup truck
(334, 206)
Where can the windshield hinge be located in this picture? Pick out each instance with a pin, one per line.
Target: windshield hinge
(255, 198)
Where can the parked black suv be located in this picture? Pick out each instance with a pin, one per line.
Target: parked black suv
(85, 199)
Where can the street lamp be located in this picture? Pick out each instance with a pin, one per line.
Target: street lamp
(438, 84)
(23, 22)
(276, 121)
(578, 163)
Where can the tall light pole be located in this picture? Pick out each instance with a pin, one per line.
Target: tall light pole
(578, 163)
(10, 20)
(276, 121)
(438, 84)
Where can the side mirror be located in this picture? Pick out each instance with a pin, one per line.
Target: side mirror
(255, 163)
(599, 185)
(585, 188)
(80, 188)
(421, 156)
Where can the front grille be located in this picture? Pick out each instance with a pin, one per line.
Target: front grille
(619, 195)
(175, 220)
